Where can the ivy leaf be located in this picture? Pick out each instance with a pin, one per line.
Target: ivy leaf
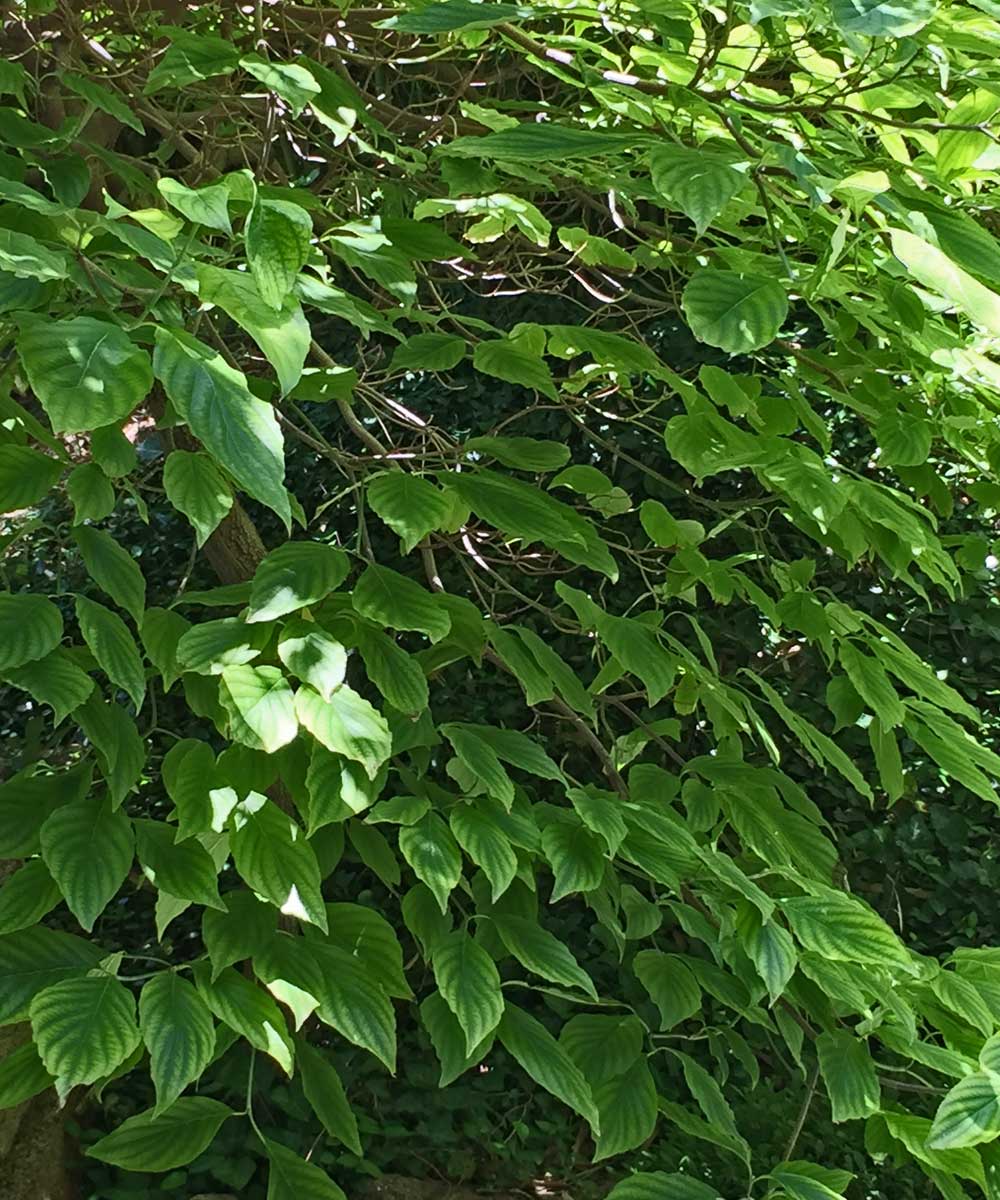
(295, 575)
(238, 430)
(163, 1141)
(292, 1178)
(272, 855)
(430, 849)
(737, 313)
(410, 505)
(83, 1029)
(195, 487)
(113, 569)
(548, 1064)
(260, 705)
(542, 953)
(325, 1093)
(179, 1034)
(30, 628)
(277, 243)
(86, 373)
(468, 980)
(88, 847)
(347, 724)
(391, 599)
(113, 646)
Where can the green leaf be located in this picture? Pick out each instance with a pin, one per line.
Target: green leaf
(355, 1004)
(313, 655)
(338, 788)
(935, 270)
(628, 1110)
(195, 487)
(882, 18)
(448, 1039)
(548, 1064)
(292, 1178)
(178, 1032)
(112, 451)
(697, 182)
(450, 15)
(468, 980)
(293, 83)
(162, 1142)
(26, 476)
(207, 206)
(428, 352)
(506, 360)
(601, 814)
(576, 856)
(88, 848)
(738, 313)
(272, 855)
(486, 845)
(969, 1115)
(657, 1185)
(282, 333)
(770, 948)
(30, 628)
(34, 959)
(369, 937)
(872, 684)
(904, 440)
(277, 243)
(55, 680)
(113, 646)
(90, 492)
(346, 724)
(22, 1076)
(83, 1029)
(211, 646)
(242, 931)
(86, 373)
(102, 97)
(671, 986)
(522, 453)
(295, 575)
(184, 869)
(249, 1011)
(544, 142)
(161, 631)
(325, 1093)
(113, 570)
(543, 953)
(28, 799)
(238, 430)
(27, 896)
(396, 674)
(391, 599)
(481, 760)
(411, 506)
(843, 929)
(260, 705)
(25, 258)
(604, 1048)
(849, 1075)
(431, 851)
(121, 751)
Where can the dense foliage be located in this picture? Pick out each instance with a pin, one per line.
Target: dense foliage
(498, 565)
